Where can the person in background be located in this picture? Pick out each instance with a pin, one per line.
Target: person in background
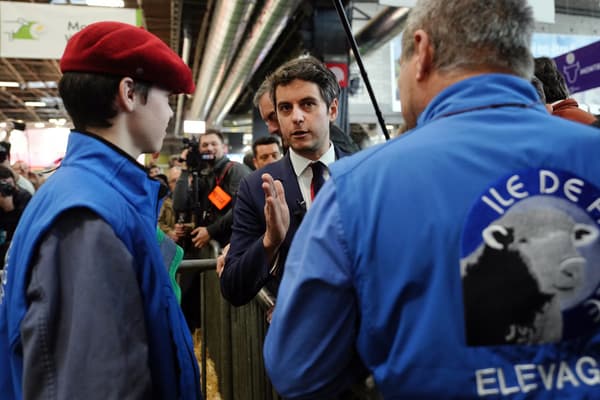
(217, 179)
(87, 309)
(167, 238)
(22, 168)
(216, 173)
(248, 156)
(22, 182)
(263, 102)
(153, 170)
(393, 263)
(12, 204)
(37, 179)
(166, 217)
(557, 93)
(266, 150)
(175, 161)
(539, 88)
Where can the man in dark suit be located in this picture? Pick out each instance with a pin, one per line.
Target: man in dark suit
(271, 202)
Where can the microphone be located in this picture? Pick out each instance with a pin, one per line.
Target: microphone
(301, 210)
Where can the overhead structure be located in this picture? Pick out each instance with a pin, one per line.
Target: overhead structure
(271, 21)
(230, 21)
(382, 28)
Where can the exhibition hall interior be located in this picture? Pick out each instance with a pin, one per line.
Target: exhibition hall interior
(232, 45)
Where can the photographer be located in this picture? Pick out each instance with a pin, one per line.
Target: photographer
(12, 203)
(21, 181)
(204, 195)
(206, 189)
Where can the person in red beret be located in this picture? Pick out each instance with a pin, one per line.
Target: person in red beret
(86, 305)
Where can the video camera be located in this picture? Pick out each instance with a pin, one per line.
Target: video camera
(6, 189)
(195, 159)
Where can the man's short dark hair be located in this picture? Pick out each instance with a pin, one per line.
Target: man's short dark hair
(162, 178)
(4, 151)
(555, 87)
(539, 88)
(306, 68)
(6, 173)
(90, 98)
(214, 132)
(263, 140)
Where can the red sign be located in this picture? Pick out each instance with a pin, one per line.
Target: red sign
(341, 72)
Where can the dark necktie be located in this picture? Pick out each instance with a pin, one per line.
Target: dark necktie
(317, 180)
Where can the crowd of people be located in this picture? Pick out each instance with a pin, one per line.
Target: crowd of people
(459, 260)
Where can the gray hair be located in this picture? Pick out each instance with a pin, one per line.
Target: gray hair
(469, 34)
(265, 87)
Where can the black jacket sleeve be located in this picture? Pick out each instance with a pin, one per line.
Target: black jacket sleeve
(220, 230)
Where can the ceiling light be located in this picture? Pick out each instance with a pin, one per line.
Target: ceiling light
(58, 122)
(194, 126)
(39, 125)
(40, 84)
(35, 104)
(9, 84)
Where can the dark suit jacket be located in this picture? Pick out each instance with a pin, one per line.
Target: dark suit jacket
(246, 267)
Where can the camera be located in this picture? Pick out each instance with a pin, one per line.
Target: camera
(195, 159)
(6, 189)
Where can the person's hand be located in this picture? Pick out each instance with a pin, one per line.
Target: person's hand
(200, 237)
(221, 260)
(269, 314)
(7, 203)
(173, 235)
(277, 214)
(183, 156)
(179, 230)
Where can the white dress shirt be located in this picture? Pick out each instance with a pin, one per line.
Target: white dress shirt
(304, 173)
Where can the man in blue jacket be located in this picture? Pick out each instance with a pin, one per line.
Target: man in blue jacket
(461, 259)
(86, 307)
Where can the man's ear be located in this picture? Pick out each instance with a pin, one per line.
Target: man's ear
(333, 109)
(423, 53)
(126, 94)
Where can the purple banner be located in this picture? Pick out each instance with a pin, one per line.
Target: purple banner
(581, 67)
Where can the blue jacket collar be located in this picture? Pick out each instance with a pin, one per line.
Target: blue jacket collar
(480, 91)
(113, 165)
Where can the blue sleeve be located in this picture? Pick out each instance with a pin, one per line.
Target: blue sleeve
(309, 349)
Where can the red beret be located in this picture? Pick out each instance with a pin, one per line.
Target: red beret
(125, 50)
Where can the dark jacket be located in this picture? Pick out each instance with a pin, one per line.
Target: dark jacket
(10, 219)
(246, 268)
(218, 222)
(341, 140)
